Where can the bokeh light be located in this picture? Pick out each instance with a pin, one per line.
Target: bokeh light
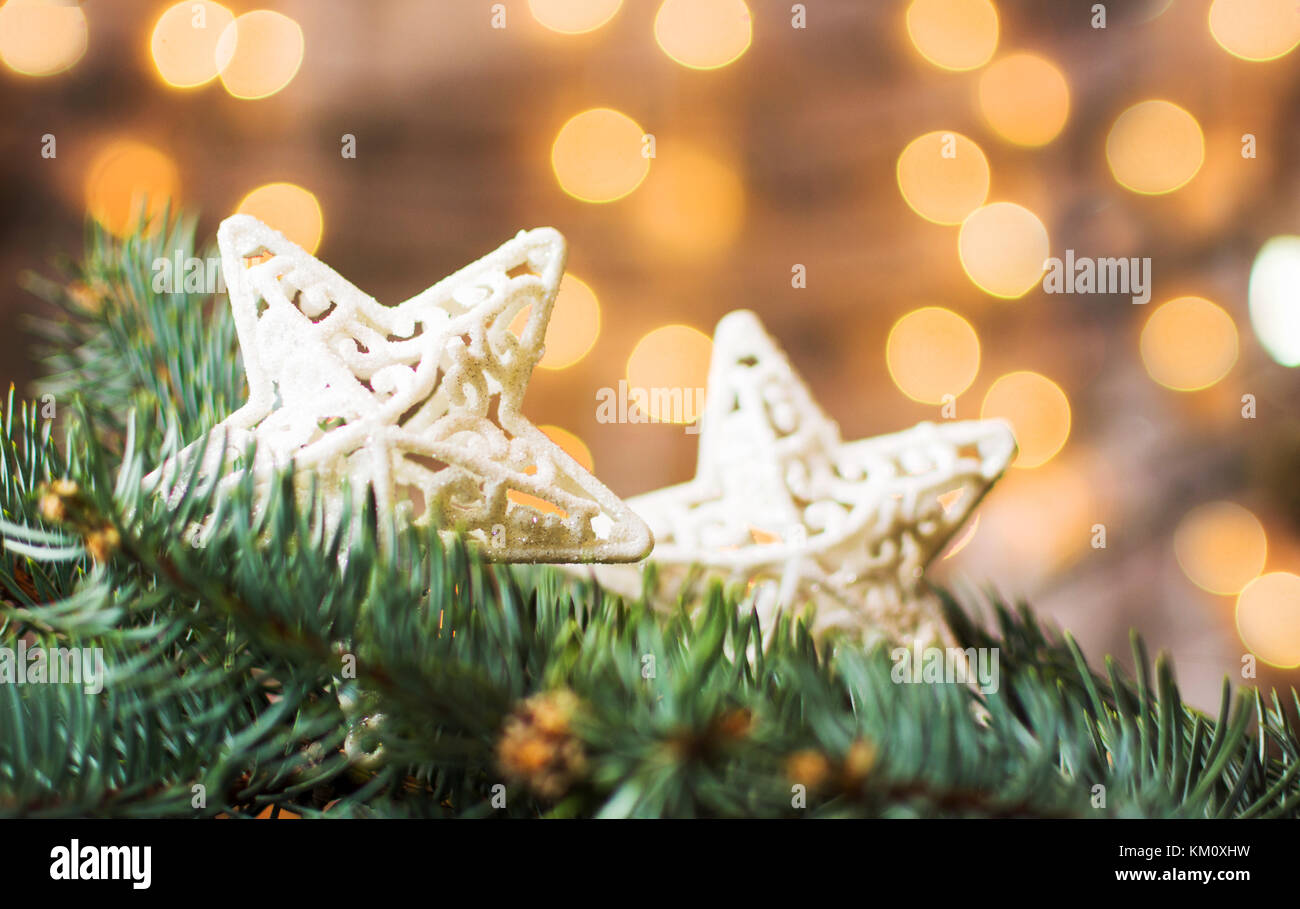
(704, 34)
(1256, 29)
(597, 155)
(1038, 411)
(673, 360)
(954, 34)
(1188, 344)
(574, 325)
(571, 445)
(1025, 99)
(184, 42)
(1275, 299)
(1221, 547)
(943, 176)
(573, 17)
(1003, 249)
(290, 209)
(127, 181)
(1035, 522)
(931, 353)
(1268, 618)
(1155, 147)
(259, 53)
(41, 37)
(692, 206)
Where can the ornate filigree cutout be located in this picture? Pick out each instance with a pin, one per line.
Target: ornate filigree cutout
(420, 401)
(781, 504)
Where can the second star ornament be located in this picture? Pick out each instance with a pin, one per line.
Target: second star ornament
(783, 506)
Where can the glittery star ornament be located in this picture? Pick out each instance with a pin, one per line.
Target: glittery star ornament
(420, 401)
(780, 504)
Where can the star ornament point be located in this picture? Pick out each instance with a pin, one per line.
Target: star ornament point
(419, 401)
(782, 505)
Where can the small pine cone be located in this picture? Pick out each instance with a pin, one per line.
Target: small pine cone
(735, 724)
(538, 747)
(858, 763)
(61, 502)
(808, 767)
(102, 543)
(54, 500)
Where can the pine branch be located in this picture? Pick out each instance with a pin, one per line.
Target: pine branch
(227, 659)
(122, 341)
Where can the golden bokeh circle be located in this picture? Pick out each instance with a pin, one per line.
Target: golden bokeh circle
(932, 353)
(1256, 30)
(1268, 618)
(598, 155)
(943, 176)
(573, 17)
(704, 34)
(184, 42)
(692, 206)
(259, 54)
(41, 38)
(1221, 547)
(954, 34)
(1038, 521)
(129, 182)
(1003, 249)
(1025, 99)
(290, 209)
(1189, 344)
(1038, 411)
(1155, 147)
(670, 366)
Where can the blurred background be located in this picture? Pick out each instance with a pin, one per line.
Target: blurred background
(880, 181)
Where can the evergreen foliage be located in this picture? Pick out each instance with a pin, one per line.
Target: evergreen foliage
(224, 661)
